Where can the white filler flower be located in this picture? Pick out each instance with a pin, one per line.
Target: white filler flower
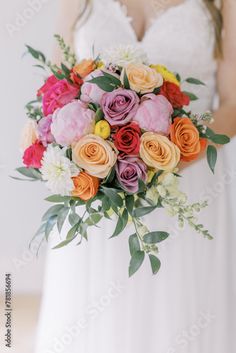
(123, 55)
(57, 171)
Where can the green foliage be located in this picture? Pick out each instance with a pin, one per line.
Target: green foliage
(211, 157)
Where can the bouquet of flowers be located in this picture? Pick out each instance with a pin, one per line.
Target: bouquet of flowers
(107, 135)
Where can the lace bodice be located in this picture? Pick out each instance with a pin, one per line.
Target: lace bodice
(181, 37)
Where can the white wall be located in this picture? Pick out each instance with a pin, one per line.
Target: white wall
(31, 22)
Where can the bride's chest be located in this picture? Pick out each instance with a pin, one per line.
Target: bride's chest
(182, 37)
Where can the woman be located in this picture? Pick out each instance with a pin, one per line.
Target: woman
(89, 304)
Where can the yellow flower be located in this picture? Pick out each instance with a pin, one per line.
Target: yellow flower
(102, 129)
(142, 78)
(100, 65)
(166, 74)
(158, 152)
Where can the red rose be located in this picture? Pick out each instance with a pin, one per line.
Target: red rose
(174, 95)
(127, 139)
(47, 85)
(33, 155)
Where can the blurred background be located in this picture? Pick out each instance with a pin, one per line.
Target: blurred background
(22, 22)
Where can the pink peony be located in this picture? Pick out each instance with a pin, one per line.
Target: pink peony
(44, 130)
(58, 95)
(33, 155)
(71, 122)
(154, 114)
(90, 92)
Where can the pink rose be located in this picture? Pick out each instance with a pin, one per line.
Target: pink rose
(47, 85)
(154, 114)
(33, 155)
(90, 92)
(58, 95)
(71, 122)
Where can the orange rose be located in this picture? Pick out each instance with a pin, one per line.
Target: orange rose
(86, 186)
(186, 136)
(84, 67)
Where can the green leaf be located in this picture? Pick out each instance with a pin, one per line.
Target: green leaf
(99, 115)
(104, 83)
(50, 225)
(155, 263)
(211, 157)
(121, 223)
(64, 243)
(30, 173)
(178, 77)
(36, 53)
(142, 211)
(52, 211)
(106, 205)
(155, 237)
(74, 218)
(141, 186)
(135, 262)
(72, 233)
(93, 219)
(126, 81)
(194, 81)
(57, 198)
(112, 78)
(129, 203)
(192, 96)
(114, 197)
(134, 244)
(220, 139)
(65, 69)
(62, 215)
(58, 75)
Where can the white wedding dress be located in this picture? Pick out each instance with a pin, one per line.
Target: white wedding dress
(89, 303)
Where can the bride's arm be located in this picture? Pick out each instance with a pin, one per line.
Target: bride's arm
(69, 12)
(225, 116)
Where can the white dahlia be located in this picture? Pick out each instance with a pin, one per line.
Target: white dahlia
(57, 170)
(123, 55)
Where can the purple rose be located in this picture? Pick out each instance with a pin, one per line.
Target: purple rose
(120, 106)
(44, 130)
(129, 170)
(154, 114)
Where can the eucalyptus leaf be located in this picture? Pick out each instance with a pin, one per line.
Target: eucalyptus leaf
(142, 211)
(134, 244)
(93, 219)
(62, 215)
(114, 197)
(52, 211)
(129, 203)
(29, 172)
(155, 237)
(191, 96)
(194, 81)
(211, 157)
(220, 139)
(50, 225)
(112, 78)
(64, 243)
(126, 80)
(74, 218)
(36, 53)
(121, 223)
(135, 262)
(57, 198)
(155, 263)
